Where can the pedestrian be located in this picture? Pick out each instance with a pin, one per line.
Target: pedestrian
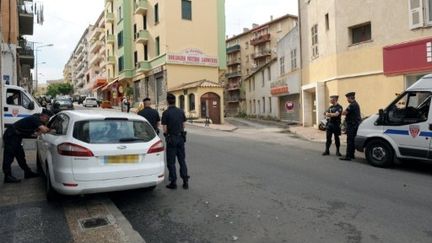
(12, 139)
(333, 115)
(150, 114)
(123, 104)
(128, 105)
(352, 118)
(173, 122)
(13, 99)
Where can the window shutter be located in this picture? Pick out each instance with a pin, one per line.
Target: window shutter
(429, 12)
(416, 19)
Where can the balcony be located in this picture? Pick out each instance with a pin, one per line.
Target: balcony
(232, 99)
(141, 7)
(96, 33)
(142, 36)
(110, 39)
(111, 60)
(260, 39)
(233, 86)
(234, 61)
(96, 46)
(143, 66)
(261, 54)
(109, 17)
(94, 61)
(233, 49)
(26, 17)
(233, 74)
(26, 53)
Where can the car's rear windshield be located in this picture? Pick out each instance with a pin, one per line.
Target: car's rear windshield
(91, 98)
(64, 102)
(113, 131)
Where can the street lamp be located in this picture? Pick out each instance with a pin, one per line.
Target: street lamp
(36, 61)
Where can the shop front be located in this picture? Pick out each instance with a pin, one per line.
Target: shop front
(287, 90)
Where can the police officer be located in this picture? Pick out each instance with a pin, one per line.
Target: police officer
(352, 119)
(12, 140)
(173, 123)
(333, 115)
(150, 114)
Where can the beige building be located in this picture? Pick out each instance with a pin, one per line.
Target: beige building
(248, 52)
(96, 75)
(151, 50)
(41, 89)
(374, 48)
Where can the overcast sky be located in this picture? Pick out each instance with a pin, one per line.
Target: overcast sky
(66, 20)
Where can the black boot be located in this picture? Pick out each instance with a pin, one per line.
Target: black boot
(338, 153)
(172, 185)
(11, 179)
(30, 174)
(326, 153)
(185, 184)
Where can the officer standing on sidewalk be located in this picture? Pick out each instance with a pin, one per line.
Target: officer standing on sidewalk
(150, 114)
(333, 115)
(352, 118)
(12, 140)
(173, 122)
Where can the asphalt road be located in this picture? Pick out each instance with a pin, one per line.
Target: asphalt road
(255, 186)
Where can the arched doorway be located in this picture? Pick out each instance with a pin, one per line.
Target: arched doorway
(211, 107)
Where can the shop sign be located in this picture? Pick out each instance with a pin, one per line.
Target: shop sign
(192, 57)
(429, 51)
(279, 87)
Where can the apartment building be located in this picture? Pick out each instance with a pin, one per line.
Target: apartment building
(249, 51)
(157, 46)
(362, 46)
(96, 72)
(17, 53)
(67, 71)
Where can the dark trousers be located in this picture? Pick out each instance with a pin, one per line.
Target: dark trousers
(176, 148)
(330, 132)
(13, 149)
(351, 134)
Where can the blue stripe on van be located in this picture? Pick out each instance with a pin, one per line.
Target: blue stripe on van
(20, 115)
(396, 132)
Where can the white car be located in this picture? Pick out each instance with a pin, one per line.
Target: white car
(99, 151)
(90, 102)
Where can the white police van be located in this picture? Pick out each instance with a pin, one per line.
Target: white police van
(403, 130)
(17, 104)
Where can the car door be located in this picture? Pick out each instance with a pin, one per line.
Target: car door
(49, 142)
(408, 124)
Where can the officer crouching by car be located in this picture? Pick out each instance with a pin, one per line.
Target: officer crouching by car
(12, 140)
(333, 115)
(173, 123)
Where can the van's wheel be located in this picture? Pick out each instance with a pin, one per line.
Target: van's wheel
(379, 153)
(51, 194)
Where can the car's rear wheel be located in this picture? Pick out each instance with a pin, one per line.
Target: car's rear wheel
(379, 153)
(51, 194)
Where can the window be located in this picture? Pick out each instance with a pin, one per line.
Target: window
(268, 74)
(360, 33)
(136, 58)
(135, 31)
(250, 106)
(13, 97)
(429, 12)
(262, 78)
(264, 106)
(282, 65)
(314, 35)
(253, 84)
(145, 22)
(254, 106)
(259, 107)
(293, 59)
(157, 46)
(145, 52)
(186, 9)
(121, 63)
(182, 102)
(156, 13)
(270, 104)
(120, 13)
(120, 39)
(327, 22)
(146, 86)
(60, 124)
(191, 102)
(411, 107)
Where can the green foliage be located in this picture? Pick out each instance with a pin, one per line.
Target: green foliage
(59, 89)
(129, 91)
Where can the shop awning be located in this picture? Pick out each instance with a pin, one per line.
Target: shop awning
(109, 84)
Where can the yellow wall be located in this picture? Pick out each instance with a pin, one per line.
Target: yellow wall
(181, 74)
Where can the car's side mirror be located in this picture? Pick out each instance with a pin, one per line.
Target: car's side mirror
(31, 106)
(381, 117)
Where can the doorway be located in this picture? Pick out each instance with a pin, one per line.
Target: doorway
(211, 107)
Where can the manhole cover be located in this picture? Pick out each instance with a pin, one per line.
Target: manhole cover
(94, 222)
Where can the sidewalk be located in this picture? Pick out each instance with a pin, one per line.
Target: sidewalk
(26, 216)
(227, 127)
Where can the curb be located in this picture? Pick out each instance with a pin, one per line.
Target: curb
(214, 128)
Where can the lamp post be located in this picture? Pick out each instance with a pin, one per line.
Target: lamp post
(36, 61)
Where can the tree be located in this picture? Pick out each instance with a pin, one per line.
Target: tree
(59, 89)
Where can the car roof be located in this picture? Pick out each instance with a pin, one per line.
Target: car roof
(100, 114)
(423, 84)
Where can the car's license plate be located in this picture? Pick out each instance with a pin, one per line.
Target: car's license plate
(122, 159)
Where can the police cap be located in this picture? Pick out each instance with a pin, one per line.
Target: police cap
(334, 97)
(146, 99)
(350, 94)
(47, 112)
(170, 96)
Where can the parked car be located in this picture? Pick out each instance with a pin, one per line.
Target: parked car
(90, 102)
(106, 104)
(92, 151)
(61, 105)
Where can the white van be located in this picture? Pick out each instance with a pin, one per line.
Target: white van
(403, 130)
(17, 104)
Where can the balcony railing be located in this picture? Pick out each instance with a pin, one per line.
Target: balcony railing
(143, 66)
(141, 6)
(109, 17)
(142, 36)
(260, 39)
(260, 54)
(95, 47)
(26, 53)
(110, 39)
(232, 99)
(232, 49)
(111, 60)
(233, 86)
(234, 61)
(233, 74)
(26, 16)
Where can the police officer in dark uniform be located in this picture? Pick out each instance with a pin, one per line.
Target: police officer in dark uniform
(173, 122)
(12, 140)
(352, 118)
(150, 114)
(333, 114)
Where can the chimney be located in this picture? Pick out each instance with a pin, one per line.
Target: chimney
(271, 17)
(254, 26)
(245, 30)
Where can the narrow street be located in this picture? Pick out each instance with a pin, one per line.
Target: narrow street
(247, 190)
